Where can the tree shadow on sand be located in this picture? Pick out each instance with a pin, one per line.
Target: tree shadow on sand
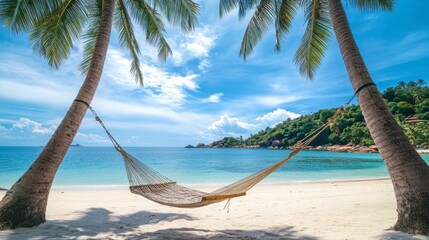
(395, 235)
(286, 233)
(97, 221)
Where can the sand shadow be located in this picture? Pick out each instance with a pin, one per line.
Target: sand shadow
(93, 222)
(97, 221)
(395, 235)
(284, 233)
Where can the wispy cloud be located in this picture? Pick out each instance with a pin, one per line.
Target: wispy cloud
(204, 65)
(194, 46)
(37, 93)
(25, 129)
(4, 132)
(215, 98)
(26, 124)
(412, 47)
(166, 87)
(90, 138)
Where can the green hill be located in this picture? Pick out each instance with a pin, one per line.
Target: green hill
(404, 100)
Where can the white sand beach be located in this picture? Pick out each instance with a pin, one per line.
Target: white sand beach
(329, 210)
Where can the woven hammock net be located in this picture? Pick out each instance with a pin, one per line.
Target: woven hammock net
(152, 185)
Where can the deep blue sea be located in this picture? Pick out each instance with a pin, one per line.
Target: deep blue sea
(93, 166)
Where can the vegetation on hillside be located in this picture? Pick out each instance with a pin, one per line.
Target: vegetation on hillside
(404, 100)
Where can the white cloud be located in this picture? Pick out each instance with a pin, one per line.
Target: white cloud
(231, 126)
(35, 127)
(132, 140)
(4, 132)
(89, 138)
(204, 65)
(167, 88)
(277, 116)
(195, 45)
(228, 126)
(215, 98)
(40, 93)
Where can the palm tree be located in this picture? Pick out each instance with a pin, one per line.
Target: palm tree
(55, 26)
(402, 85)
(408, 172)
(420, 82)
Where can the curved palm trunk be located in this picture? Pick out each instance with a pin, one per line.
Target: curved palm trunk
(24, 205)
(408, 172)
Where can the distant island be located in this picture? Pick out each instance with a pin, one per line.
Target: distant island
(76, 145)
(409, 103)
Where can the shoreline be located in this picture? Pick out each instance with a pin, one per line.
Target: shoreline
(102, 187)
(328, 210)
(329, 148)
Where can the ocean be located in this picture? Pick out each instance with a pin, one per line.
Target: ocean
(95, 166)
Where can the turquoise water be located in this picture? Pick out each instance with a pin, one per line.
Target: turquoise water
(88, 166)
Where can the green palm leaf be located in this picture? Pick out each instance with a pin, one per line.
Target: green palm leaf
(53, 36)
(90, 36)
(127, 40)
(225, 6)
(151, 22)
(316, 37)
(385, 5)
(263, 16)
(285, 14)
(20, 15)
(183, 13)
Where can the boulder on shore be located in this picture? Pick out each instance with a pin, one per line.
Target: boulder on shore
(201, 145)
(264, 144)
(352, 148)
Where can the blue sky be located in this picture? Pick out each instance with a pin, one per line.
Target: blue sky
(205, 91)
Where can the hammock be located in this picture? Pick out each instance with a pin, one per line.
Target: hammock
(152, 185)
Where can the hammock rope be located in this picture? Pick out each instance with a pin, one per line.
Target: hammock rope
(147, 182)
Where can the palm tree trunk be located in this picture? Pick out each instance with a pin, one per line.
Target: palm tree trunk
(24, 205)
(408, 172)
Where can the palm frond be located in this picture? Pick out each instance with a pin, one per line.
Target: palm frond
(373, 5)
(285, 14)
(151, 22)
(263, 16)
(21, 15)
(316, 38)
(54, 35)
(225, 6)
(183, 13)
(90, 36)
(127, 40)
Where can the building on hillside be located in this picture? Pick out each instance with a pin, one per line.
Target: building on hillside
(413, 119)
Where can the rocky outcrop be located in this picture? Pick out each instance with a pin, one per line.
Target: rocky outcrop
(217, 144)
(346, 148)
(189, 146)
(264, 144)
(276, 144)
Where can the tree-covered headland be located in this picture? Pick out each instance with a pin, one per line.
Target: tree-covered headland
(409, 102)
